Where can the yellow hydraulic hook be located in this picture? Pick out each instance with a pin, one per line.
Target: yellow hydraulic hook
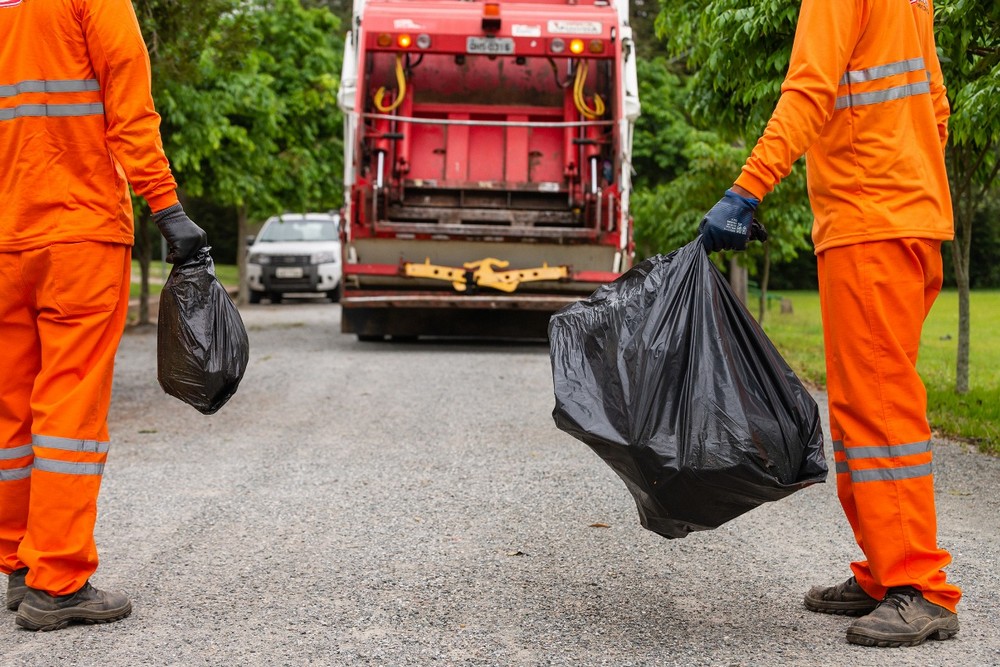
(483, 273)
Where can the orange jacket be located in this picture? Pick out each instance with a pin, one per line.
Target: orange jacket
(864, 100)
(76, 122)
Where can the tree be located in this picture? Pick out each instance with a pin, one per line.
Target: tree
(732, 89)
(968, 37)
(175, 32)
(739, 55)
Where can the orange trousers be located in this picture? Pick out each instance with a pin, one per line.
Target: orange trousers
(62, 314)
(875, 298)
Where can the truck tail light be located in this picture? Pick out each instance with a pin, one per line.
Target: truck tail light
(576, 46)
(404, 41)
(384, 40)
(596, 46)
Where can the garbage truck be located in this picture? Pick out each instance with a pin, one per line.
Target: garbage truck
(487, 166)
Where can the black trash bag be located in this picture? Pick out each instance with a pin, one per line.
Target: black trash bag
(670, 380)
(202, 346)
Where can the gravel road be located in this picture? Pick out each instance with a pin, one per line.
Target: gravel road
(413, 504)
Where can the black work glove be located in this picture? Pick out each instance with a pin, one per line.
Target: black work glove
(730, 224)
(184, 238)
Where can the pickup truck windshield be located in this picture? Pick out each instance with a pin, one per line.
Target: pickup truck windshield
(299, 230)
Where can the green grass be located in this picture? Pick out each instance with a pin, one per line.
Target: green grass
(974, 416)
(227, 274)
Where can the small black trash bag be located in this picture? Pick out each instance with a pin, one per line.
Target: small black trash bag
(669, 379)
(202, 346)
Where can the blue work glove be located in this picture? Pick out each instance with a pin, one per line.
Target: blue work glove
(730, 224)
(184, 238)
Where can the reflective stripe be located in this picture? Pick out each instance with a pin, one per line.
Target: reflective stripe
(887, 451)
(876, 96)
(66, 86)
(16, 473)
(890, 474)
(68, 467)
(883, 71)
(15, 452)
(880, 454)
(52, 110)
(70, 444)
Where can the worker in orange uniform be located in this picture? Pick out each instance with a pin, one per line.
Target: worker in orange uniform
(76, 122)
(864, 100)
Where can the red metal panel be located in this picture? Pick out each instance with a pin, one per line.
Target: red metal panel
(427, 151)
(457, 165)
(516, 155)
(545, 152)
(486, 153)
(371, 269)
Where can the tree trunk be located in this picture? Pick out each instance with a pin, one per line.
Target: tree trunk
(738, 279)
(763, 283)
(144, 246)
(964, 208)
(242, 231)
(960, 252)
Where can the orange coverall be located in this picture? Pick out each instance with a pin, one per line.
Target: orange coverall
(76, 124)
(864, 100)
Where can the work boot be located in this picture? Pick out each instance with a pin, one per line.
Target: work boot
(16, 588)
(41, 611)
(847, 598)
(903, 618)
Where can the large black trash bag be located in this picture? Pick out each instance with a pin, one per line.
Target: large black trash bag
(202, 346)
(669, 379)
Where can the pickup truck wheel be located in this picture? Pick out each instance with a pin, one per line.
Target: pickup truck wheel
(255, 297)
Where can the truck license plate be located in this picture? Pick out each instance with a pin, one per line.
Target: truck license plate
(288, 272)
(490, 45)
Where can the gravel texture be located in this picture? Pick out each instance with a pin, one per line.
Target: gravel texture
(414, 504)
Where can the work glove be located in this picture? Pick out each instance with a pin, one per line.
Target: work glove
(184, 238)
(730, 224)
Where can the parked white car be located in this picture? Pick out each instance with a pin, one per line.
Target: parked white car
(295, 253)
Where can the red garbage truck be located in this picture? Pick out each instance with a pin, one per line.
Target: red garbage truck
(487, 163)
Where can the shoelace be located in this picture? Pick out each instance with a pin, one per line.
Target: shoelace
(900, 596)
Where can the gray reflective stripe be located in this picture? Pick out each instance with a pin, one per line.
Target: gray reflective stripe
(15, 452)
(838, 445)
(883, 71)
(842, 467)
(69, 467)
(65, 86)
(16, 473)
(52, 110)
(886, 451)
(889, 474)
(70, 444)
(876, 96)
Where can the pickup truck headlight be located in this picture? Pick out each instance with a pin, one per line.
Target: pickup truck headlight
(326, 257)
(258, 258)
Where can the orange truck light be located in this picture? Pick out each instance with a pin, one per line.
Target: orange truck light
(576, 46)
(491, 17)
(404, 41)
(596, 46)
(384, 40)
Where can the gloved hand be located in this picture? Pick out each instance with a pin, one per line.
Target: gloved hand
(184, 238)
(730, 224)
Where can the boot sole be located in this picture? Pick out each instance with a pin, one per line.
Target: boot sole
(938, 630)
(47, 621)
(840, 608)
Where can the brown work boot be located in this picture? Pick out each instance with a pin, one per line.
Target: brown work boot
(903, 618)
(847, 598)
(41, 611)
(16, 588)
